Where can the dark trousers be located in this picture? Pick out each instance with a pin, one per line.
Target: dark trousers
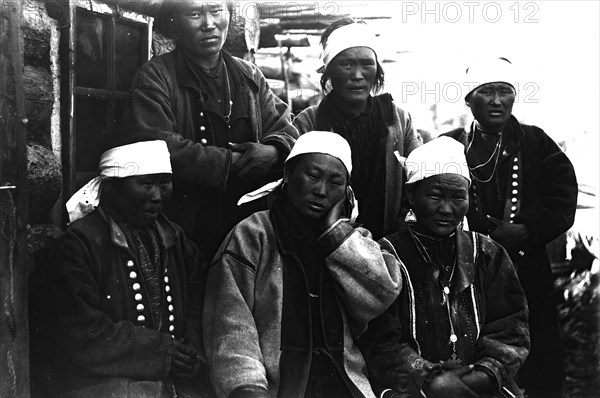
(542, 374)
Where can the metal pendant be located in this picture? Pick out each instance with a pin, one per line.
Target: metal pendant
(454, 360)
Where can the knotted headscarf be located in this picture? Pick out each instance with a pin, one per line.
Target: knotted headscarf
(324, 142)
(495, 70)
(140, 158)
(442, 155)
(345, 37)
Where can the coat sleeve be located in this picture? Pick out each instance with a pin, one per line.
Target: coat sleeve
(504, 341)
(393, 363)
(305, 120)
(391, 356)
(151, 108)
(87, 337)
(412, 139)
(231, 339)
(367, 282)
(553, 210)
(277, 127)
(196, 268)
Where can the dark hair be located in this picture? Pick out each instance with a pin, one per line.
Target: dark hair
(170, 8)
(379, 78)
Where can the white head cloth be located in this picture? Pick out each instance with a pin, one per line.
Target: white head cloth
(140, 158)
(345, 37)
(324, 142)
(443, 155)
(495, 70)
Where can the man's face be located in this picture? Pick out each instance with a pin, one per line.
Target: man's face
(316, 183)
(491, 105)
(139, 199)
(202, 27)
(352, 74)
(440, 203)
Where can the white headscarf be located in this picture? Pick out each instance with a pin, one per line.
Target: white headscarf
(140, 158)
(345, 37)
(495, 70)
(324, 142)
(442, 155)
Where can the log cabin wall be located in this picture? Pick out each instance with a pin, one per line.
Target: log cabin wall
(32, 60)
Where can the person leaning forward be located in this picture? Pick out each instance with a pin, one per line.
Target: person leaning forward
(127, 294)
(226, 131)
(524, 195)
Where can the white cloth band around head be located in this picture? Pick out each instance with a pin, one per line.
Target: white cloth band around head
(345, 37)
(140, 158)
(494, 70)
(325, 142)
(442, 155)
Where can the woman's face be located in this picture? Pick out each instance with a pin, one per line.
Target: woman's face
(352, 73)
(315, 183)
(440, 203)
(139, 199)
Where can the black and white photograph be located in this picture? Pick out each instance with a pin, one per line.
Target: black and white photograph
(309, 199)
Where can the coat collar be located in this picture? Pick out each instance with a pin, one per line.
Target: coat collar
(513, 134)
(186, 76)
(167, 235)
(464, 272)
(286, 223)
(385, 102)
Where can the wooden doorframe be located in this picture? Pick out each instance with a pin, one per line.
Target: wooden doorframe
(14, 325)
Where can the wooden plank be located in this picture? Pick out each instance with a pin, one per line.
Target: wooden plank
(14, 330)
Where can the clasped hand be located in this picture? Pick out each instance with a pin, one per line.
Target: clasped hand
(186, 361)
(461, 382)
(251, 160)
(506, 233)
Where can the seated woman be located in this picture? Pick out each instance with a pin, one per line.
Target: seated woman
(128, 289)
(375, 127)
(293, 287)
(459, 327)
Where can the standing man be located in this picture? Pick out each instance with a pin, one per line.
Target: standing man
(524, 194)
(226, 131)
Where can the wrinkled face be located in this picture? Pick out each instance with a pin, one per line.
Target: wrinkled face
(315, 183)
(352, 74)
(491, 105)
(440, 203)
(139, 199)
(202, 27)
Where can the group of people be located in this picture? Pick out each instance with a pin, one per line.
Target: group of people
(250, 253)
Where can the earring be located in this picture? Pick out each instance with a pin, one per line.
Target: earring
(411, 217)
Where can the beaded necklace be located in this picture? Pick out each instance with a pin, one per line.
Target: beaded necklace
(495, 153)
(228, 95)
(453, 338)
